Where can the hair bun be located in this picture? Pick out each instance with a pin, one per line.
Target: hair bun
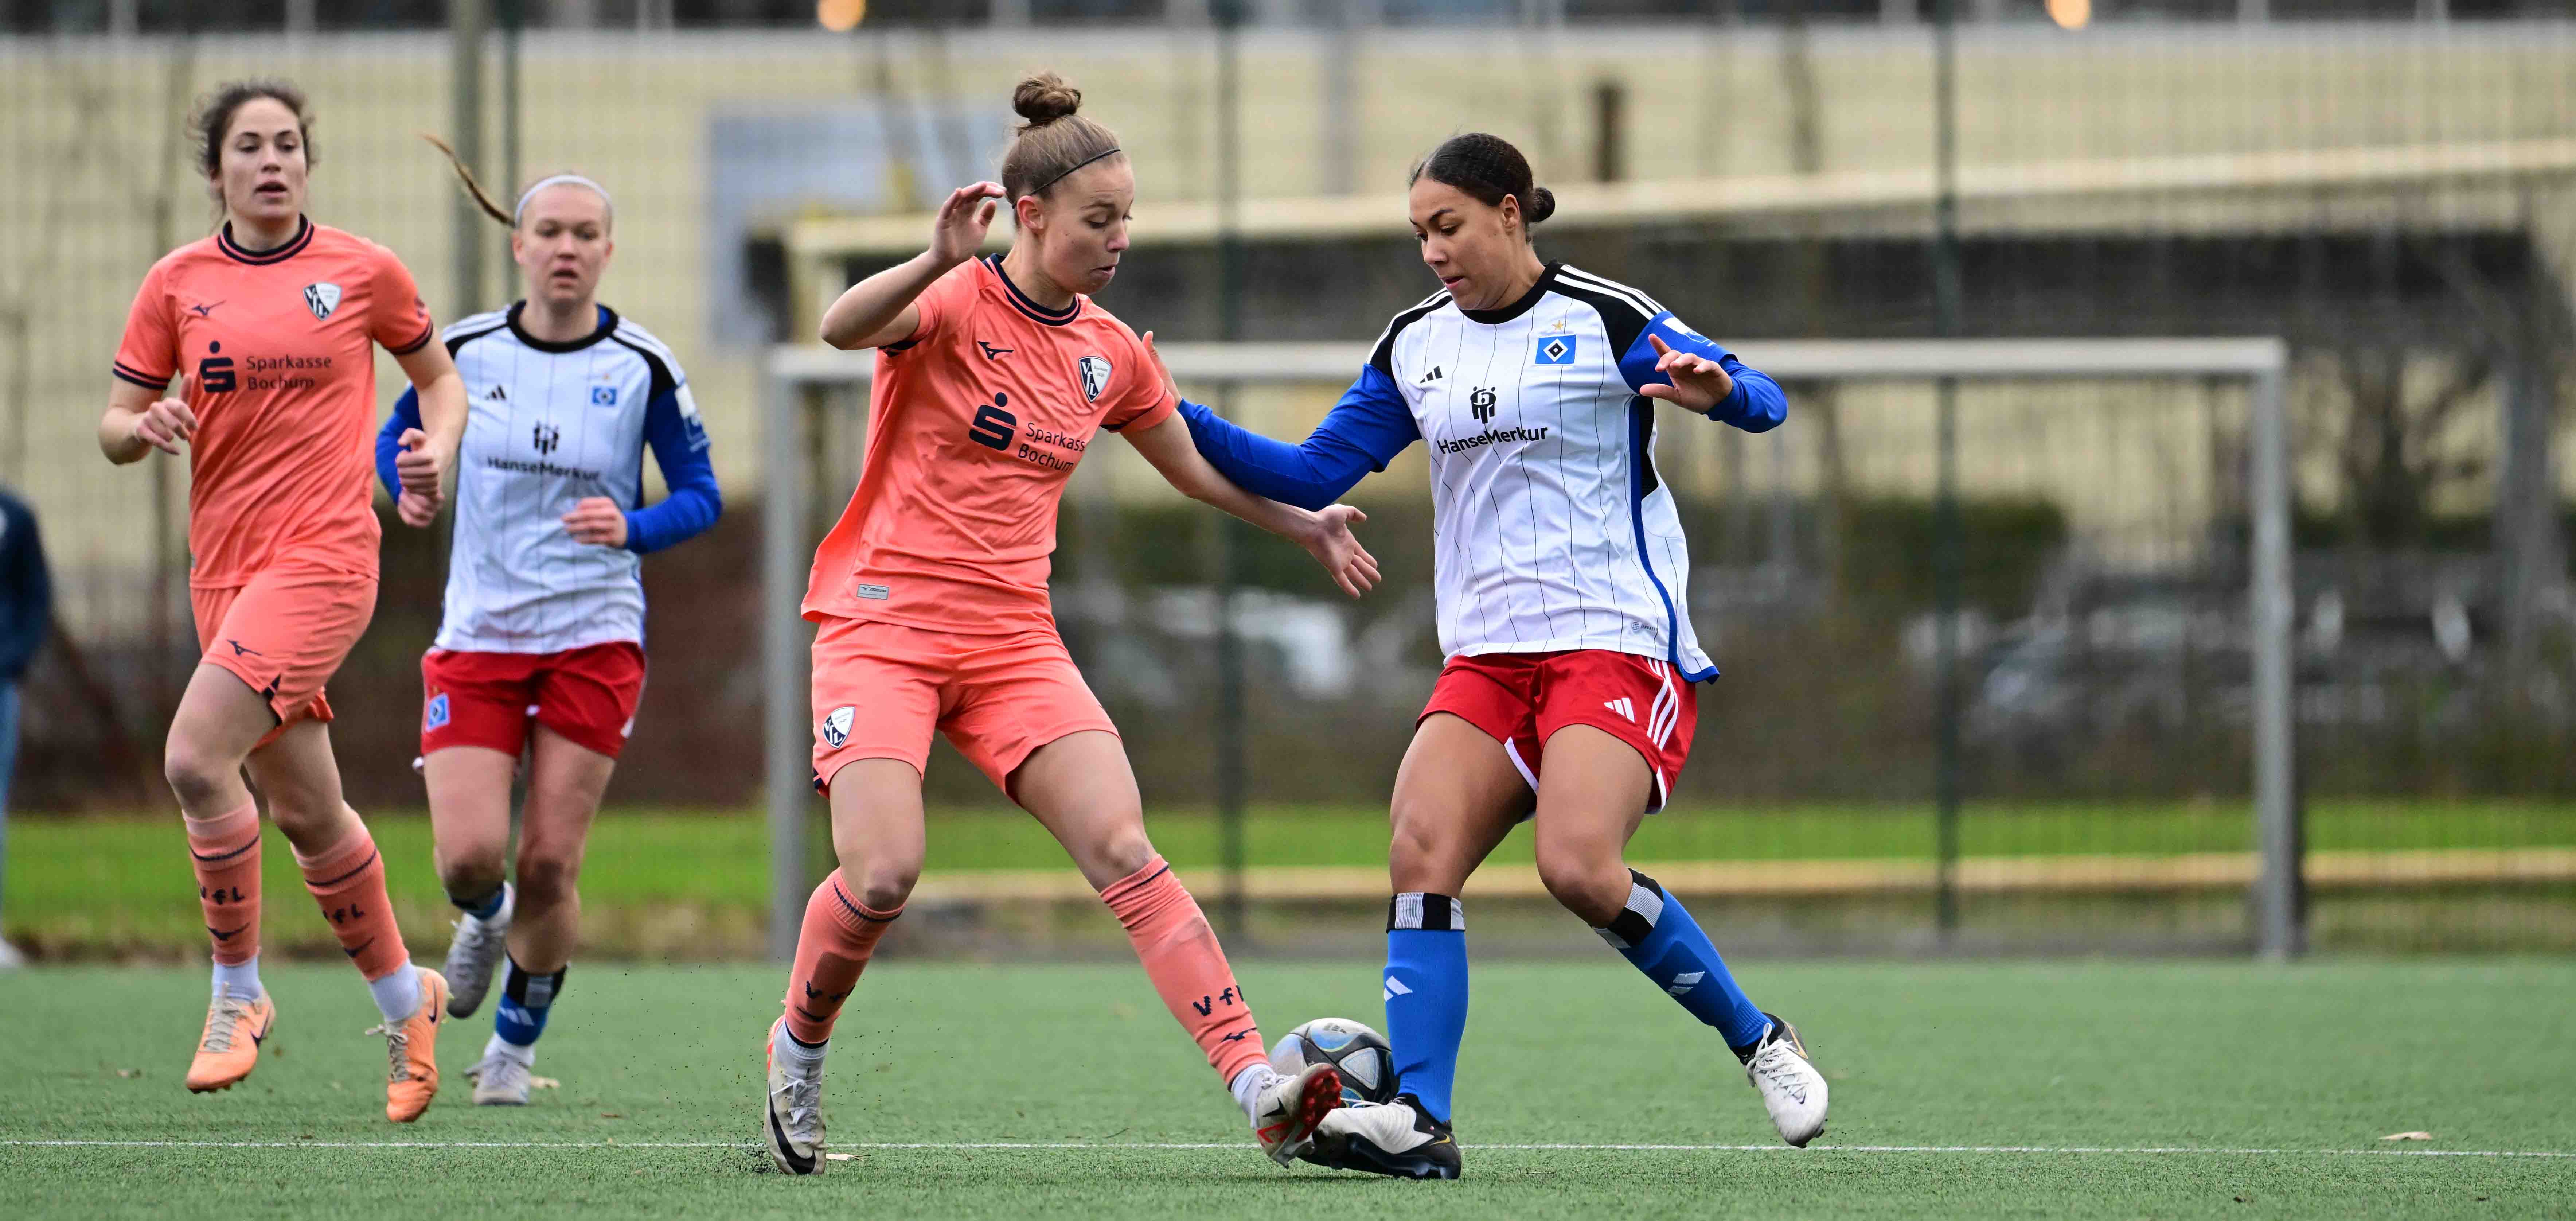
(1044, 98)
(1542, 204)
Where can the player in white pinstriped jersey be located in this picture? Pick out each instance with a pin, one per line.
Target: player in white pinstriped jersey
(541, 646)
(1562, 578)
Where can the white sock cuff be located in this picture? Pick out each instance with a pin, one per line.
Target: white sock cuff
(1248, 1084)
(398, 993)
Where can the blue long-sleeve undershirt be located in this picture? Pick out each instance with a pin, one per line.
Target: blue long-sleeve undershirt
(679, 448)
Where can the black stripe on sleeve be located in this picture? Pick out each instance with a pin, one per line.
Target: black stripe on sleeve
(1622, 318)
(428, 331)
(140, 378)
(1383, 355)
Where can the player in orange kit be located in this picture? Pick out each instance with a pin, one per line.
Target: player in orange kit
(993, 378)
(271, 324)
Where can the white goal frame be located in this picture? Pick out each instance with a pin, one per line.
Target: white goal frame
(2261, 363)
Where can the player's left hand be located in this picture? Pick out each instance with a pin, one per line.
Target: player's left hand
(422, 469)
(416, 510)
(1338, 550)
(1699, 384)
(598, 521)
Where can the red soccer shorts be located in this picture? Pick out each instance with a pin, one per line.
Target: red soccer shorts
(1522, 699)
(284, 632)
(487, 699)
(880, 689)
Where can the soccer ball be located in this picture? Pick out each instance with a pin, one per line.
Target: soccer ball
(1366, 1062)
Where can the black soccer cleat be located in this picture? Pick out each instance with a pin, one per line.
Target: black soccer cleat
(1398, 1139)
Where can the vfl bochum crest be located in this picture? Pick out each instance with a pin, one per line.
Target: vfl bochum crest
(322, 298)
(1095, 376)
(836, 725)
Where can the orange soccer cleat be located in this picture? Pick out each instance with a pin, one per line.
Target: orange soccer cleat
(411, 1048)
(235, 1027)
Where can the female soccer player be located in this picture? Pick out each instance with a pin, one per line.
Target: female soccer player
(545, 610)
(1562, 585)
(993, 377)
(270, 323)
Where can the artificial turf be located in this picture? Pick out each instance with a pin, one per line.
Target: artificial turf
(2295, 1071)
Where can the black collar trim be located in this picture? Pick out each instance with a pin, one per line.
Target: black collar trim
(1051, 317)
(1529, 300)
(607, 327)
(261, 258)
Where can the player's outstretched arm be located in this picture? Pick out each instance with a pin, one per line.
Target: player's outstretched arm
(1695, 374)
(430, 450)
(879, 310)
(1325, 533)
(139, 421)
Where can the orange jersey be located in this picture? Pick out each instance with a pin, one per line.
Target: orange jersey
(284, 390)
(974, 424)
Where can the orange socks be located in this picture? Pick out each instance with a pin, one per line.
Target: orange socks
(838, 938)
(1187, 966)
(225, 851)
(349, 882)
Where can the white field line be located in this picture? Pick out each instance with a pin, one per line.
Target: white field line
(2136, 1150)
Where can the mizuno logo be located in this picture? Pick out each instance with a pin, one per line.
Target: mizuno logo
(1624, 708)
(205, 311)
(239, 649)
(993, 353)
(225, 934)
(824, 996)
(360, 948)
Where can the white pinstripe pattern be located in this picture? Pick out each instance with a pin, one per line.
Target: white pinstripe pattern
(1534, 474)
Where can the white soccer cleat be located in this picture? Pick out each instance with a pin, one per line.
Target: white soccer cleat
(501, 1080)
(474, 954)
(1398, 1139)
(791, 1122)
(1791, 1088)
(1286, 1111)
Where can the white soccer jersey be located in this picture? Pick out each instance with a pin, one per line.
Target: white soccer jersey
(1552, 529)
(552, 424)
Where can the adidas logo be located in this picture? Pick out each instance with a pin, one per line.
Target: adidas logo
(1684, 982)
(1394, 988)
(498, 394)
(1623, 707)
(1428, 378)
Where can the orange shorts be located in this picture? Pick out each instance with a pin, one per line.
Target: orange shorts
(285, 631)
(881, 688)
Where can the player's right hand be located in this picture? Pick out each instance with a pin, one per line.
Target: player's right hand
(167, 424)
(958, 232)
(421, 469)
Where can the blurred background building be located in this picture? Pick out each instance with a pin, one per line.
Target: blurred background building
(2388, 185)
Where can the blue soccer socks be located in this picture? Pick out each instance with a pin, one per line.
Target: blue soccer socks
(525, 1002)
(1656, 934)
(1426, 994)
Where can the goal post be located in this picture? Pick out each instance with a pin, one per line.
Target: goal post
(813, 410)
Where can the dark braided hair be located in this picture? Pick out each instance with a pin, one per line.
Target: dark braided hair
(1487, 168)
